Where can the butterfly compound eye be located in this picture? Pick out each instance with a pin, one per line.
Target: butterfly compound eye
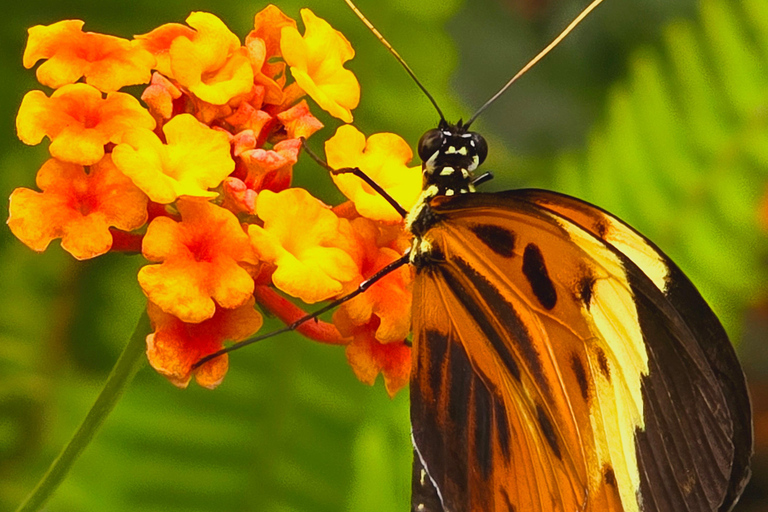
(481, 147)
(430, 143)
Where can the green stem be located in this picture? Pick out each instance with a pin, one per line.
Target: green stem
(130, 361)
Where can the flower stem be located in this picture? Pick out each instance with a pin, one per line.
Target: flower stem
(130, 361)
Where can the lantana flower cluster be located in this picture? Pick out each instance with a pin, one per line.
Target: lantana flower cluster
(196, 175)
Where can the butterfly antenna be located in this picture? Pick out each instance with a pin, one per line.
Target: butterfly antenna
(536, 59)
(395, 54)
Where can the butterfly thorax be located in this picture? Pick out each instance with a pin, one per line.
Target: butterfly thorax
(450, 155)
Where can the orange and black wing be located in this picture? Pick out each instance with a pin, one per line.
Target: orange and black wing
(553, 372)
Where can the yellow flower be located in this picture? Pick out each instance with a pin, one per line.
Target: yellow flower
(107, 62)
(194, 159)
(384, 158)
(306, 241)
(79, 121)
(200, 261)
(316, 61)
(77, 207)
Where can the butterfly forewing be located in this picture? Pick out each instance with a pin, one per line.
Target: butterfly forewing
(706, 330)
(551, 373)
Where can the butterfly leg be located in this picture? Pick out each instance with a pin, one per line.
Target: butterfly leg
(360, 174)
(403, 260)
(486, 176)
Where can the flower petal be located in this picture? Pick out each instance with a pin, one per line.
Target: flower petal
(200, 262)
(194, 159)
(107, 62)
(79, 121)
(316, 61)
(307, 242)
(384, 158)
(77, 207)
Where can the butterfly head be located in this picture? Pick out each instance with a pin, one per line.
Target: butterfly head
(450, 154)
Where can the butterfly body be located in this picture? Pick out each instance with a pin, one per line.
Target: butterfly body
(561, 362)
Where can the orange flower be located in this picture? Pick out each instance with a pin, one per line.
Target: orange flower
(175, 346)
(248, 117)
(159, 96)
(384, 158)
(271, 168)
(195, 159)
(389, 299)
(212, 64)
(79, 121)
(267, 26)
(307, 242)
(201, 259)
(107, 62)
(368, 358)
(77, 207)
(316, 61)
(299, 121)
(158, 43)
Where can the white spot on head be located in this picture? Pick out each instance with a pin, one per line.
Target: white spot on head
(466, 135)
(472, 143)
(447, 171)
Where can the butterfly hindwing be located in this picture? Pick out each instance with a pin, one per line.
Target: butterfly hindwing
(551, 371)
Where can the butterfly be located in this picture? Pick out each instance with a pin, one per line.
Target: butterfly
(560, 360)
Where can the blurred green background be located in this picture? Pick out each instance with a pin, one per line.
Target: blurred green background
(657, 111)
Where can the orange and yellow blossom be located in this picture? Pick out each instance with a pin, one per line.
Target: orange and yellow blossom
(174, 346)
(368, 357)
(307, 243)
(317, 64)
(267, 27)
(229, 122)
(384, 158)
(194, 159)
(77, 207)
(212, 64)
(201, 260)
(79, 121)
(158, 43)
(107, 62)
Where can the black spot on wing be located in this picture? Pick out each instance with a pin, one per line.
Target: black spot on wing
(437, 346)
(538, 277)
(502, 426)
(548, 430)
(585, 289)
(483, 450)
(581, 375)
(515, 330)
(602, 363)
(496, 238)
(609, 476)
(460, 379)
